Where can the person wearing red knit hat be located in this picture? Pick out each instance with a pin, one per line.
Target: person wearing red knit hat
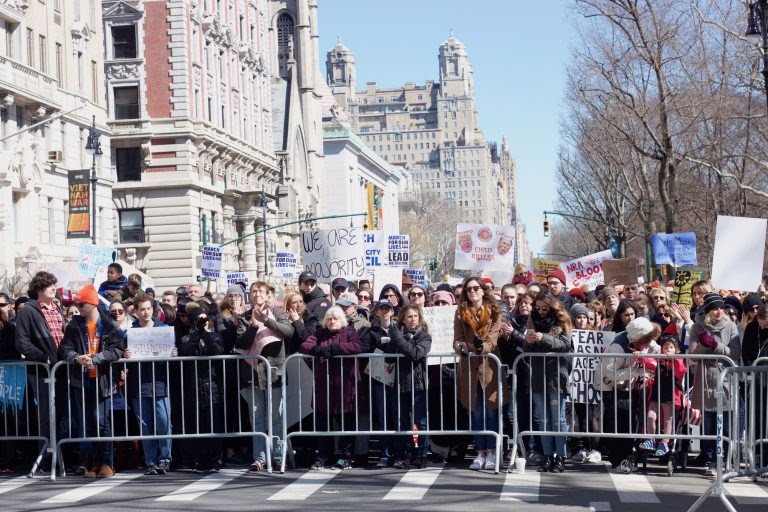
(556, 282)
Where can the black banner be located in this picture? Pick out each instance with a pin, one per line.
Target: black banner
(79, 223)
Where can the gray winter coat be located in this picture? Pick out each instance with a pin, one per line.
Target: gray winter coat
(706, 373)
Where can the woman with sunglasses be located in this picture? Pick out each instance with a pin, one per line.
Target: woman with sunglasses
(364, 303)
(118, 313)
(417, 296)
(476, 328)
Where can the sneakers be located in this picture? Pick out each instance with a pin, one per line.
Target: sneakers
(163, 468)
(400, 464)
(649, 445)
(151, 470)
(91, 473)
(594, 456)
(342, 464)
(490, 462)
(106, 472)
(581, 456)
(710, 472)
(317, 466)
(661, 450)
(534, 459)
(478, 463)
(383, 462)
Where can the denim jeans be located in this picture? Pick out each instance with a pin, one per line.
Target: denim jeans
(385, 413)
(550, 407)
(153, 415)
(484, 418)
(257, 407)
(413, 411)
(96, 410)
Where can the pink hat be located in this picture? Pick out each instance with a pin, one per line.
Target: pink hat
(442, 295)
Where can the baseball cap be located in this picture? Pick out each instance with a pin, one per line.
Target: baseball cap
(347, 299)
(307, 276)
(339, 282)
(384, 303)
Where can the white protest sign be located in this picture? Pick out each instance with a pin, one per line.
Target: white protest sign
(737, 263)
(299, 383)
(237, 277)
(376, 243)
(583, 369)
(150, 342)
(385, 276)
(398, 249)
(210, 265)
(285, 264)
(418, 276)
(440, 322)
(94, 257)
(484, 247)
(587, 270)
(334, 253)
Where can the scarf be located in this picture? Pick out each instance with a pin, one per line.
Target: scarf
(546, 324)
(478, 320)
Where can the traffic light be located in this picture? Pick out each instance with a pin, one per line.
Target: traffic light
(432, 265)
(546, 227)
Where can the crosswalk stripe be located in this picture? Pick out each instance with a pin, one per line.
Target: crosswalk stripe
(93, 488)
(599, 506)
(414, 484)
(304, 486)
(633, 488)
(521, 487)
(746, 492)
(203, 486)
(15, 483)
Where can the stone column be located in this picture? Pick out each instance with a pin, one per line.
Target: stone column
(248, 261)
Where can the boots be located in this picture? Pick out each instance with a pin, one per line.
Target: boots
(546, 466)
(558, 465)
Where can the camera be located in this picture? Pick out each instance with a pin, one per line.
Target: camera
(201, 322)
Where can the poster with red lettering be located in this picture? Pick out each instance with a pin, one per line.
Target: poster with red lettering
(587, 270)
(484, 247)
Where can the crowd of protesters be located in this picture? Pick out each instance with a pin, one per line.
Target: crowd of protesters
(89, 331)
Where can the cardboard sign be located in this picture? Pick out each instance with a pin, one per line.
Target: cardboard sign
(13, 383)
(334, 253)
(541, 268)
(398, 251)
(623, 271)
(676, 249)
(376, 245)
(586, 270)
(93, 258)
(484, 247)
(737, 263)
(418, 276)
(583, 369)
(440, 322)
(380, 370)
(210, 265)
(684, 279)
(150, 342)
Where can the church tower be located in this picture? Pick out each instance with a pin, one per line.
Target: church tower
(455, 69)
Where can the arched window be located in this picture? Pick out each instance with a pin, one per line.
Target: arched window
(284, 41)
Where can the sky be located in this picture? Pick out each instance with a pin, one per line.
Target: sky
(518, 50)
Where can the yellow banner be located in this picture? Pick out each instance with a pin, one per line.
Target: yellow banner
(371, 190)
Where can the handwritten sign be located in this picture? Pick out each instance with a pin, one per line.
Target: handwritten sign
(440, 322)
(13, 382)
(684, 280)
(587, 270)
(676, 249)
(583, 369)
(398, 251)
(210, 265)
(542, 267)
(93, 258)
(150, 342)
(334, 253)
(376, 244)
(623, 270)
(418, 276)
(484, 247)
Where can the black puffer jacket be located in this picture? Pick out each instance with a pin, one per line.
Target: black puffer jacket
(412, 368)
(549, 373)
(202, 380)
(317, 304)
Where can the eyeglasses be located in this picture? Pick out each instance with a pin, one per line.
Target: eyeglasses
(416, 294)
(363, 297)
(554, 282)
(474, 289)
(117, 312)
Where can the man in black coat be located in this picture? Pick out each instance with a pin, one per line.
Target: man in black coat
(314, 298)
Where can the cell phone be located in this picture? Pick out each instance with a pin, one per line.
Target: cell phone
(529, 331)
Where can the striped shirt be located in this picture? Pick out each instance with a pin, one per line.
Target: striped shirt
(54, 320)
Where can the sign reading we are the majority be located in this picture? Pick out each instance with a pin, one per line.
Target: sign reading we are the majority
(334, 253)
(484, 247)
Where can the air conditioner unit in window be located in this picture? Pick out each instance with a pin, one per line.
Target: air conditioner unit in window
(54, 157)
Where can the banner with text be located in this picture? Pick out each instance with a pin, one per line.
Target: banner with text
(676, 249)
(484, 247)
(583, 369)
(684, 279)
(79, 221)
(398, 251)
(150, 342)
(541, 268)
(440, 322)
(376, 243)
(94, 258)
(587, 270)
(13, 383)
(334, 253)
(418, 276)
(286, 264)
(210, 265)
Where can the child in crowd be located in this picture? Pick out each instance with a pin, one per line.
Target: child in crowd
(110, 288)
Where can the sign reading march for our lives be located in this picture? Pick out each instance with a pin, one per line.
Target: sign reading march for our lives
(587, 270)
(418, 276)
(375, 250)
(13, 382)
(398, 250)
(484, 247)
(94, 257)
(583, 369)
(150, 342)
(676, 249)
(440, 322)
(285, 264)
(334, 253)
(210, 265)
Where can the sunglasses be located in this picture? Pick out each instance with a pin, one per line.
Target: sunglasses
(391, 295)
(416, 294)
(3, 304)
(181, 313)
(521, 274)
(363, 297)
(441, 303)
(117, 312)
(474, 289)
(80, 304)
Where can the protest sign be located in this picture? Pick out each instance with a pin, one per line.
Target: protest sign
(583, 368)
(541, 268)
(676, 249)
(299, 382)
(684, 280)
(380, 370)
(334, 253)
(484, 247)
(94, 257)
(398, 251)
(286, 264)
(13, 382)
(623, 271)
(440, 322)
(146, 343)
(376, 244)
(210, 265)
(236, 278)
(737, 263)
(418, 276)
(385, 276)
(587, 270)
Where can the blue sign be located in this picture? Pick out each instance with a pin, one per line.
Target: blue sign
(13, 382)
(676, 249)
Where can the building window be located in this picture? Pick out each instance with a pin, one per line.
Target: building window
(131, 226)
(30, 48)
(126, 102)
(124, 42)
(43, 48)
(128, 164)
(59, 63)
(284, 38)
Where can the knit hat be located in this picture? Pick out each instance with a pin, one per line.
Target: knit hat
(579, 309)
(734, 303)
(88, 294)
(638, 328)
(577, 293)
(346, 299)
(751, 301)
(236, 289)
(487, 281)
(558, 274)
(442, 295)
(713, 301)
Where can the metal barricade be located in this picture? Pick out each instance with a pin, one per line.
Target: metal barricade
(25, 394)
(164, 399)
(631, 402)
(381, 396)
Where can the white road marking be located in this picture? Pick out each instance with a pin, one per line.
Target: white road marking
(633, 488)
(414, 484)
(15, 483)
(747, 492)
(599, 506)
(523, 488)
(203, 486)
(93, 488)
(305, 485)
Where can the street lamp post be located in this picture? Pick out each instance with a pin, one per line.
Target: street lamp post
(93, 148)
(757, 33)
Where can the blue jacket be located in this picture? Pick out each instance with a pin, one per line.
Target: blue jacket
(108, 286)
